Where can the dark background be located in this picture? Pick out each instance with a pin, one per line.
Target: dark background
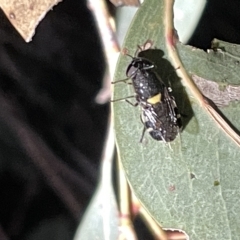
(51, 129)
(221, 19)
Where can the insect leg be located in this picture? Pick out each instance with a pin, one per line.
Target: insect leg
(133, 104)
(122, 80)
(125, 99)
(148, 67)
(143, 133)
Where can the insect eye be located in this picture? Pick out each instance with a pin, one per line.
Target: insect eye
(131, 70)
(137, 64)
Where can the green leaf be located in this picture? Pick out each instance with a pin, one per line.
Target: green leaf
(222, 65)
(101, 219)
(176, 182)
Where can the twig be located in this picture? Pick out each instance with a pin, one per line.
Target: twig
(126, 228)
(110, 44)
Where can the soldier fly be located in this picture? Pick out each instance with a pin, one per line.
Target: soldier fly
(159, 111)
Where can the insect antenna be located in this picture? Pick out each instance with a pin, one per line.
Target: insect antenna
(125, 52)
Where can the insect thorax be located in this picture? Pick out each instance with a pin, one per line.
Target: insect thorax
(146, 84)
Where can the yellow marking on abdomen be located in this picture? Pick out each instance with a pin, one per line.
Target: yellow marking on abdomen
(155, 99)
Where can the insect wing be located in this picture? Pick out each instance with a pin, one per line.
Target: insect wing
(161, 119)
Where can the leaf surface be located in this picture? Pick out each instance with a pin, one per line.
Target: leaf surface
(192, 183)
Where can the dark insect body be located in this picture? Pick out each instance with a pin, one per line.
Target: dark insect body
(159, 111)
(161, 119)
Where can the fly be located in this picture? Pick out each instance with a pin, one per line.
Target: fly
(159, 110)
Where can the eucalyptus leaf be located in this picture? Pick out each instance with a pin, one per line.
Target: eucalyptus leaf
(222, 65)
(176, 182)
(101, 219)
